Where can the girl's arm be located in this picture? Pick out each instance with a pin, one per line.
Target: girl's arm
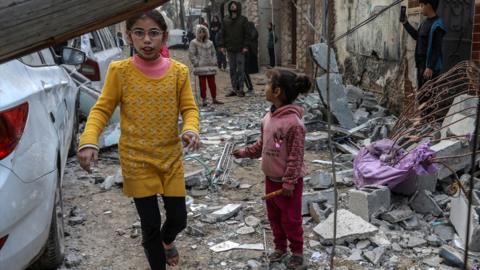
(103, 109)
(295, 148)
(192, 54)
(187, 105)
(254, 150)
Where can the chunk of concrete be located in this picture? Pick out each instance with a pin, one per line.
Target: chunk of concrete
(460, 120)
(195, 179)
(252, 221)
(349, 227)
(354, 94)
(316, 141)
(374, 255)
(223, 214)
(423, 202)
(398, 215)
(319, 53)
(361, 116)
(367, 200)
(320, 180)
(311, 197)
(338, 99)
(447, 148)
(319, 211)
(417, 183)
(458, 212)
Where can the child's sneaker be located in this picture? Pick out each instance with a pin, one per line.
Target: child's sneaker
(296, 262)
(277, 256)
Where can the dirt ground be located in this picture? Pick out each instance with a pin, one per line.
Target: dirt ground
(108, 239)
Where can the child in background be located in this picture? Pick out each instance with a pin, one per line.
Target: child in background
(281, 147)
(152, 91)
(204, 59)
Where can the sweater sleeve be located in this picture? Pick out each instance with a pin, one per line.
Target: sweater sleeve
(188, 108)
(103, 109)
(254, 150)
(411, 31)
(295, 149)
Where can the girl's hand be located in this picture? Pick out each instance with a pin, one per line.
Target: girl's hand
(236, 153)
(287, 192)
(86, 156)
(191, 140)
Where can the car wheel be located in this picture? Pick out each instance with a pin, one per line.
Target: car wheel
(74, 141)
(54, 250)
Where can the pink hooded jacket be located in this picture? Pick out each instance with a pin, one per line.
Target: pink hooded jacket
(281, 145)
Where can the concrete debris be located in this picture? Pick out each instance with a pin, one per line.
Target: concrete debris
(460, 118)
(319, 52)
(313, 243)
(316, 141)
(319, 211)
(196, 179)
(363, 244)
(414, 241)
(76, 216)
(349, 227)
(445, 232)
(356, 255)
(73, 260)
(434, 241)
(448, 148)
(367, 200)
(108, 183)
(381, 240)
(311, 197)
(458, 212)
(397, 215)
(320, 180)
(198, 192)
(411, 223)
(424, 203)
(223, 214)
(245, 230)
(229, 245)
(375, 255)
(338, 99)
(195, 231)
(252, 221)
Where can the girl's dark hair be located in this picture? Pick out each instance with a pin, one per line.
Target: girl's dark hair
(154, 14)
(433, 3)
(290, 83)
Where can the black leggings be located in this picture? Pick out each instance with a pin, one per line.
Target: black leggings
(152, 234)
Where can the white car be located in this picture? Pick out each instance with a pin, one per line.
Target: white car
(177, 37)
(38, 121)
(101, 49)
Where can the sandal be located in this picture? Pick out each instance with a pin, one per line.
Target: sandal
(277, 256)
(296, 262)
(172, 256)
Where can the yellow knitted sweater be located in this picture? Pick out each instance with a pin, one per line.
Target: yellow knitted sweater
(150, 147)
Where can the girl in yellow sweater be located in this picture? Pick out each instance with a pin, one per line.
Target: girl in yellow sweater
(152, 92)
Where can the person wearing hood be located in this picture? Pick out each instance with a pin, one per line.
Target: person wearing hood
(202, 54)
(215, 27)
(281, 147)
(234, 40)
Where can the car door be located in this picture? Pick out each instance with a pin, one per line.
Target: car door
(109, 53)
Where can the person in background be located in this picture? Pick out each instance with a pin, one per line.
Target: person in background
(215, 28)
(429, 37)
(234, 40)
(202, 21)
(251, 57)
(272, 39)
(203, 57)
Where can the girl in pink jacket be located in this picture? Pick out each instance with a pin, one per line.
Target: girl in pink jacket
(281, 147)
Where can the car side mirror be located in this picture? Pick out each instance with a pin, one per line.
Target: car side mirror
(72, 56)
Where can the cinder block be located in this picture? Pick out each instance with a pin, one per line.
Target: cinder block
(446, 148)
(458, 214)
(367, 200)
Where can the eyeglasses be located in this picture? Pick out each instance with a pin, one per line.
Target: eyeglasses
(153, 33)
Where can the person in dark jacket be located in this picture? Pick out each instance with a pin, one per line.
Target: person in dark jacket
(272, 39)
(429, 36)
(251, 63)
(234, 40)
(215, 27)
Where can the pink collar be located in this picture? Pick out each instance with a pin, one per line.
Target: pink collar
(153, 69)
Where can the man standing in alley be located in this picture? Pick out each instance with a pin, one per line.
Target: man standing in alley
(272, 39)
(429, 36)
(234, 39)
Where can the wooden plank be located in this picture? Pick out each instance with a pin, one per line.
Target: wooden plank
(30, 25)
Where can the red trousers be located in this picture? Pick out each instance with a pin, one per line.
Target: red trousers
(211, 85)
(285, 217)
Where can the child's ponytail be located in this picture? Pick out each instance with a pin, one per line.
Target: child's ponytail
(290, 83)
